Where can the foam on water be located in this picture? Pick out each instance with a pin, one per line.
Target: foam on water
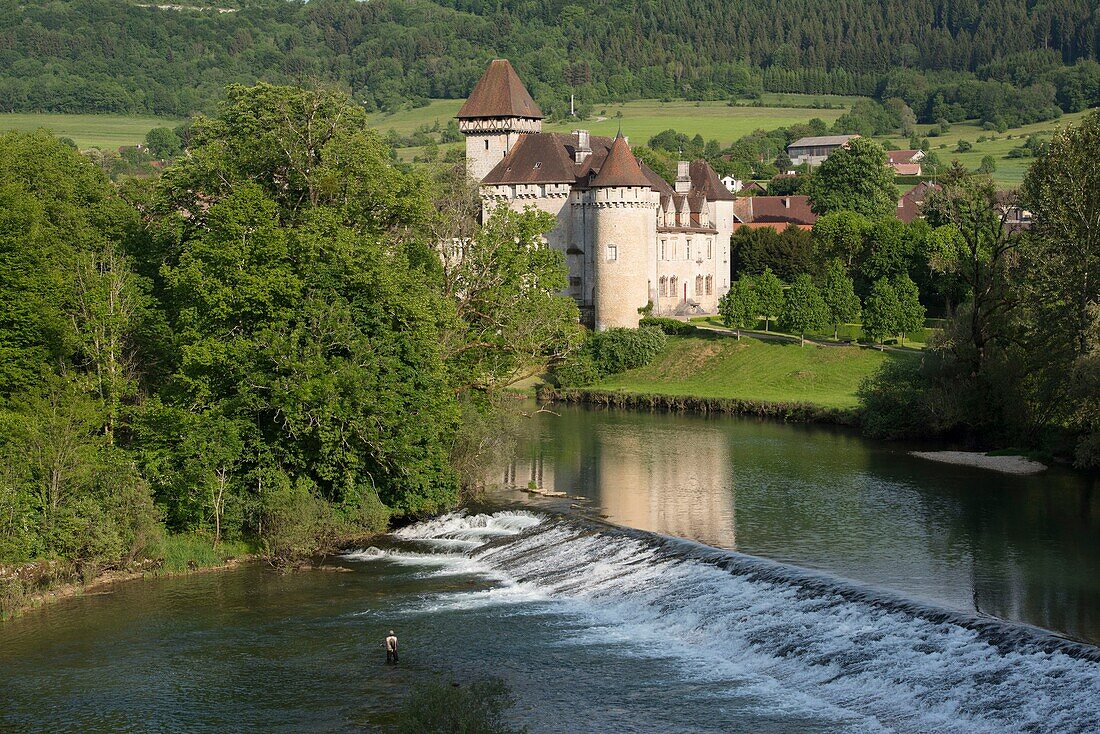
(789, 637)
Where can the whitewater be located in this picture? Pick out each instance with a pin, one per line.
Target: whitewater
(774, 637)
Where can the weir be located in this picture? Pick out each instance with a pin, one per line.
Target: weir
(776, 630)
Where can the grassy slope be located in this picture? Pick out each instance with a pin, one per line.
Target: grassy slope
(1010, 171)
(89, 131)
(643, 119)
(722, 367)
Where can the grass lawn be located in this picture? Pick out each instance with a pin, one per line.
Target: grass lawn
(89, 131)
(718, 366)
(642, 119)
(1010, 171)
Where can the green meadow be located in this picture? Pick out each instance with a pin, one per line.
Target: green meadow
(643, 119)
(88, 131)
(719, 366)
(1010, 171)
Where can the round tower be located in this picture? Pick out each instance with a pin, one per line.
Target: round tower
(624, 235)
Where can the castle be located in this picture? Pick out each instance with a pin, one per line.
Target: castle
(630, 238)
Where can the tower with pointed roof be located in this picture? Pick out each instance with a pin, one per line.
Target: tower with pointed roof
(496, 113)
(629, 238)
(624, 221)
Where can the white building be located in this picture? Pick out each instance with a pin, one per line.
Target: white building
(629, 237)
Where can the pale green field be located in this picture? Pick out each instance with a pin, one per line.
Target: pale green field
(1010, 171)
(88, 131)
(643, 119)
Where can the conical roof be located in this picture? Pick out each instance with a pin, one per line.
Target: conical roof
(621, 167)
(500, 93)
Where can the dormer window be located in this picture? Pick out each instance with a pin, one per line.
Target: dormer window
(538, 164)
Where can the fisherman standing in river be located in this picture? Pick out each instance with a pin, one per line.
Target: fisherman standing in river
(391, 649)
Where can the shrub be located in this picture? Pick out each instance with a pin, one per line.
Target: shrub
(577, 370)
(617, 350)
(890, 402)
(672, 327)
(963, 147)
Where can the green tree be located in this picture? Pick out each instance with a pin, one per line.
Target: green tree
(855, 178)
(910, 311)
(738, 307)
(841, 235)
(988, 165)
(163, 142)
(769, 296)
(1060, 283)
(839, 295)
(803, 308)
(881, 312)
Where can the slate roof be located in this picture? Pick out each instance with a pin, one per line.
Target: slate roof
(620, 168)
(821, 140)
(704, 179)
(499, 93)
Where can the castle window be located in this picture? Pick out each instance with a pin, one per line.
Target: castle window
(663, 242)
(710, 248)
(710, 284)
(662, 286)
(486, 144)
(672, 286)
(612, 253)
(698, 285)
(687, 253)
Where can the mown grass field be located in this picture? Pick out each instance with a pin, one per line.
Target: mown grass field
(88, 131)
(1010, 171)
(718, 366)
(643, 119)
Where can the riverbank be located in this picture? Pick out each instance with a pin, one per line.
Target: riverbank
(1006, 464)
(713, 365)
(795, 412)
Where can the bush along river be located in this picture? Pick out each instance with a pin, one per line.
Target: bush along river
(702, 575)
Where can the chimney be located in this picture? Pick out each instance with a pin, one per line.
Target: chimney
(683, 179)
(582, 146)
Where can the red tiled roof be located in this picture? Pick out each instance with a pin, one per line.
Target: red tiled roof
(909, 206)
(620, 168)
(774, 209)
(906, 169)
(900, 156)
(500, 93)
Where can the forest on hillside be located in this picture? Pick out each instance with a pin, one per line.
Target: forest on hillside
(945, 58)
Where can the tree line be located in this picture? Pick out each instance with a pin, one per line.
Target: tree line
(264, 342)
(945, 58)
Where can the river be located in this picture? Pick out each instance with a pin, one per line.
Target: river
(701, 575)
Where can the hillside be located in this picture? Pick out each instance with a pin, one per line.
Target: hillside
(95, 56)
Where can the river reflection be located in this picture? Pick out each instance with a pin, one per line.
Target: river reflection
(1021, 548)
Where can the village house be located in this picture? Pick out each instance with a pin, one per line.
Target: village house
(630, 239)
(905, 162)
(815, 149)
(779, 212)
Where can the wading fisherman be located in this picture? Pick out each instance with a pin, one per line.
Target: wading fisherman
(391, 648)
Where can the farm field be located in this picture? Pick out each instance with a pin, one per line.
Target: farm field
(1010, 171)
(88, 131)
(642, 119)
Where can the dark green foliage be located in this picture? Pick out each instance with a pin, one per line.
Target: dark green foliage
(442, 708)
(881, 312)
(739, 307)
(672, 327)
(610, 352)
(769, 296)
(163, 142)
(838, 293)
(854, 178)
(941, 59)
(786, 253)
(892, 401)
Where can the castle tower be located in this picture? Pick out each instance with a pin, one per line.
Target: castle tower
(494, 116)
(625, 234)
